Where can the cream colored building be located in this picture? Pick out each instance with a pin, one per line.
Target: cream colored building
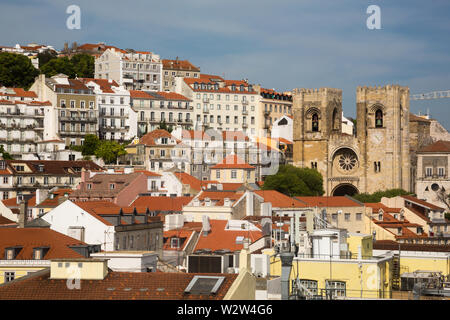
(136, 70)
(177, 68)
(228, 105)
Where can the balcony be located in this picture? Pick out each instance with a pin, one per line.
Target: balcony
(205, 110)
(244, 125)
(245, 112)
(244, 102)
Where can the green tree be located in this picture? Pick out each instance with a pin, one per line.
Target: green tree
(376, 196)
(109, 151)
(46, 56)
(16, 70)
(4, 154)
(90, 145)
(293, 181)
(59, 65)
(163, 126)
(84, 65)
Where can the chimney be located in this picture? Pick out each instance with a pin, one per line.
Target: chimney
(206, 226)
(85, 175)
(41, 195)
(286, 266)
(23, 208)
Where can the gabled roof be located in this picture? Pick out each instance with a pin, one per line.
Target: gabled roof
(105, 84)
(19, 92)
(423, 203)
(232, 162)
(53, 167)
(378, 205)
(184, 65)
(162, 203)
(324, 201)
(219, 197)
(29, 238)
(220, 238)
(149, 138)
(192, 181)
(5, 222)
(440, 146)
(280, 200)
(115, 286)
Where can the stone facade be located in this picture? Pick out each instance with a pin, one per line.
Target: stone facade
(375, 158)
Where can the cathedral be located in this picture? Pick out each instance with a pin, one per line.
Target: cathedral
(375, 157)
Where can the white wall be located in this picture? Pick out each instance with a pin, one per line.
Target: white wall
(68, 215)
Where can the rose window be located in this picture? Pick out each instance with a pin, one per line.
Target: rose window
(347, 161)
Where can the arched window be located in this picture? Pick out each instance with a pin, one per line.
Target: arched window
(379, 119)
(315, 122)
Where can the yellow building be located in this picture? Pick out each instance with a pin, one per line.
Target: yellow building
(344, 276)
(27, 250)
(233, 170)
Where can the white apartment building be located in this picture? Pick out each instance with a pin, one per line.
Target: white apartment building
(117, 120)
(154, 108)
(220, 104)
(135, 70)
(21, 126)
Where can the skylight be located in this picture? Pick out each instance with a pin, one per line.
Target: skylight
(204, 285)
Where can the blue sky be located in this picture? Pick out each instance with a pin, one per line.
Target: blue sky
(280, 44)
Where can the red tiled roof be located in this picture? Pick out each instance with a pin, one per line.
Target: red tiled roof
(95, 208)
(115, 286)
(181, 234)
(419, 214)
(5, 221)
(29, 238)
(162, 203)
(179, 65)
(232, 162)
(137, 94)
(423, 203)
(105, 84)
(53, 166)
(219, 196)
(192, 181)
(329, 201)
(172, 96)
(440, 146)
(280, 200)
(413, 117)
(378, 205)
(393, 245)
(149, 138)
(52, 203)
(209, 79)
(19, 92)
(219, 238)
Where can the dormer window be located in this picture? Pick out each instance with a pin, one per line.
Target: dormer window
(233, 87)
(241, 87)
(111, 186)
(11, 253)
(380, 217)
(174, 242)
(2, 165)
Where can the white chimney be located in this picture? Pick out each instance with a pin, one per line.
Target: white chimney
(206, 226)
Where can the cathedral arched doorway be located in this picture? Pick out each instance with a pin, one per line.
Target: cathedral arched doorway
(345, 189)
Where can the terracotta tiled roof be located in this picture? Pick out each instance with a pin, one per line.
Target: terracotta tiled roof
(181, 234)
(419, 214)
(93, 207)
(192, 181)
(162, 203)
(219, 196)
(105, 84)
(378, 205)
(52, 203)
(5, 221)
(423, 203)
(149, 138)
(440, 146)
(115, 286)
(184, 65)
(19, 92)
(393, 245)
(279, 200)
(220, 238)
(12, 202)
(74, 84)
(413, 117)
(53, 167)
(29, 238)
(232, 162)
(329, 201)
(137, 94)
(210, 79)
(172, 96)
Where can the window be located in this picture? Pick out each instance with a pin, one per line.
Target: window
(379, 119)
(307, 286)
(441, 172)
(377, 166)
(111, 186)
(89, 186)
(315, 122)
(359, 216)
(233, 174)
(428, 171)
(217, 174)
(174, 243)
(335, 288)
(334, 216)
(314, 165)
(45, 180)
(5, 179)
(9, 276)
(347, 217)
(5, 195)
